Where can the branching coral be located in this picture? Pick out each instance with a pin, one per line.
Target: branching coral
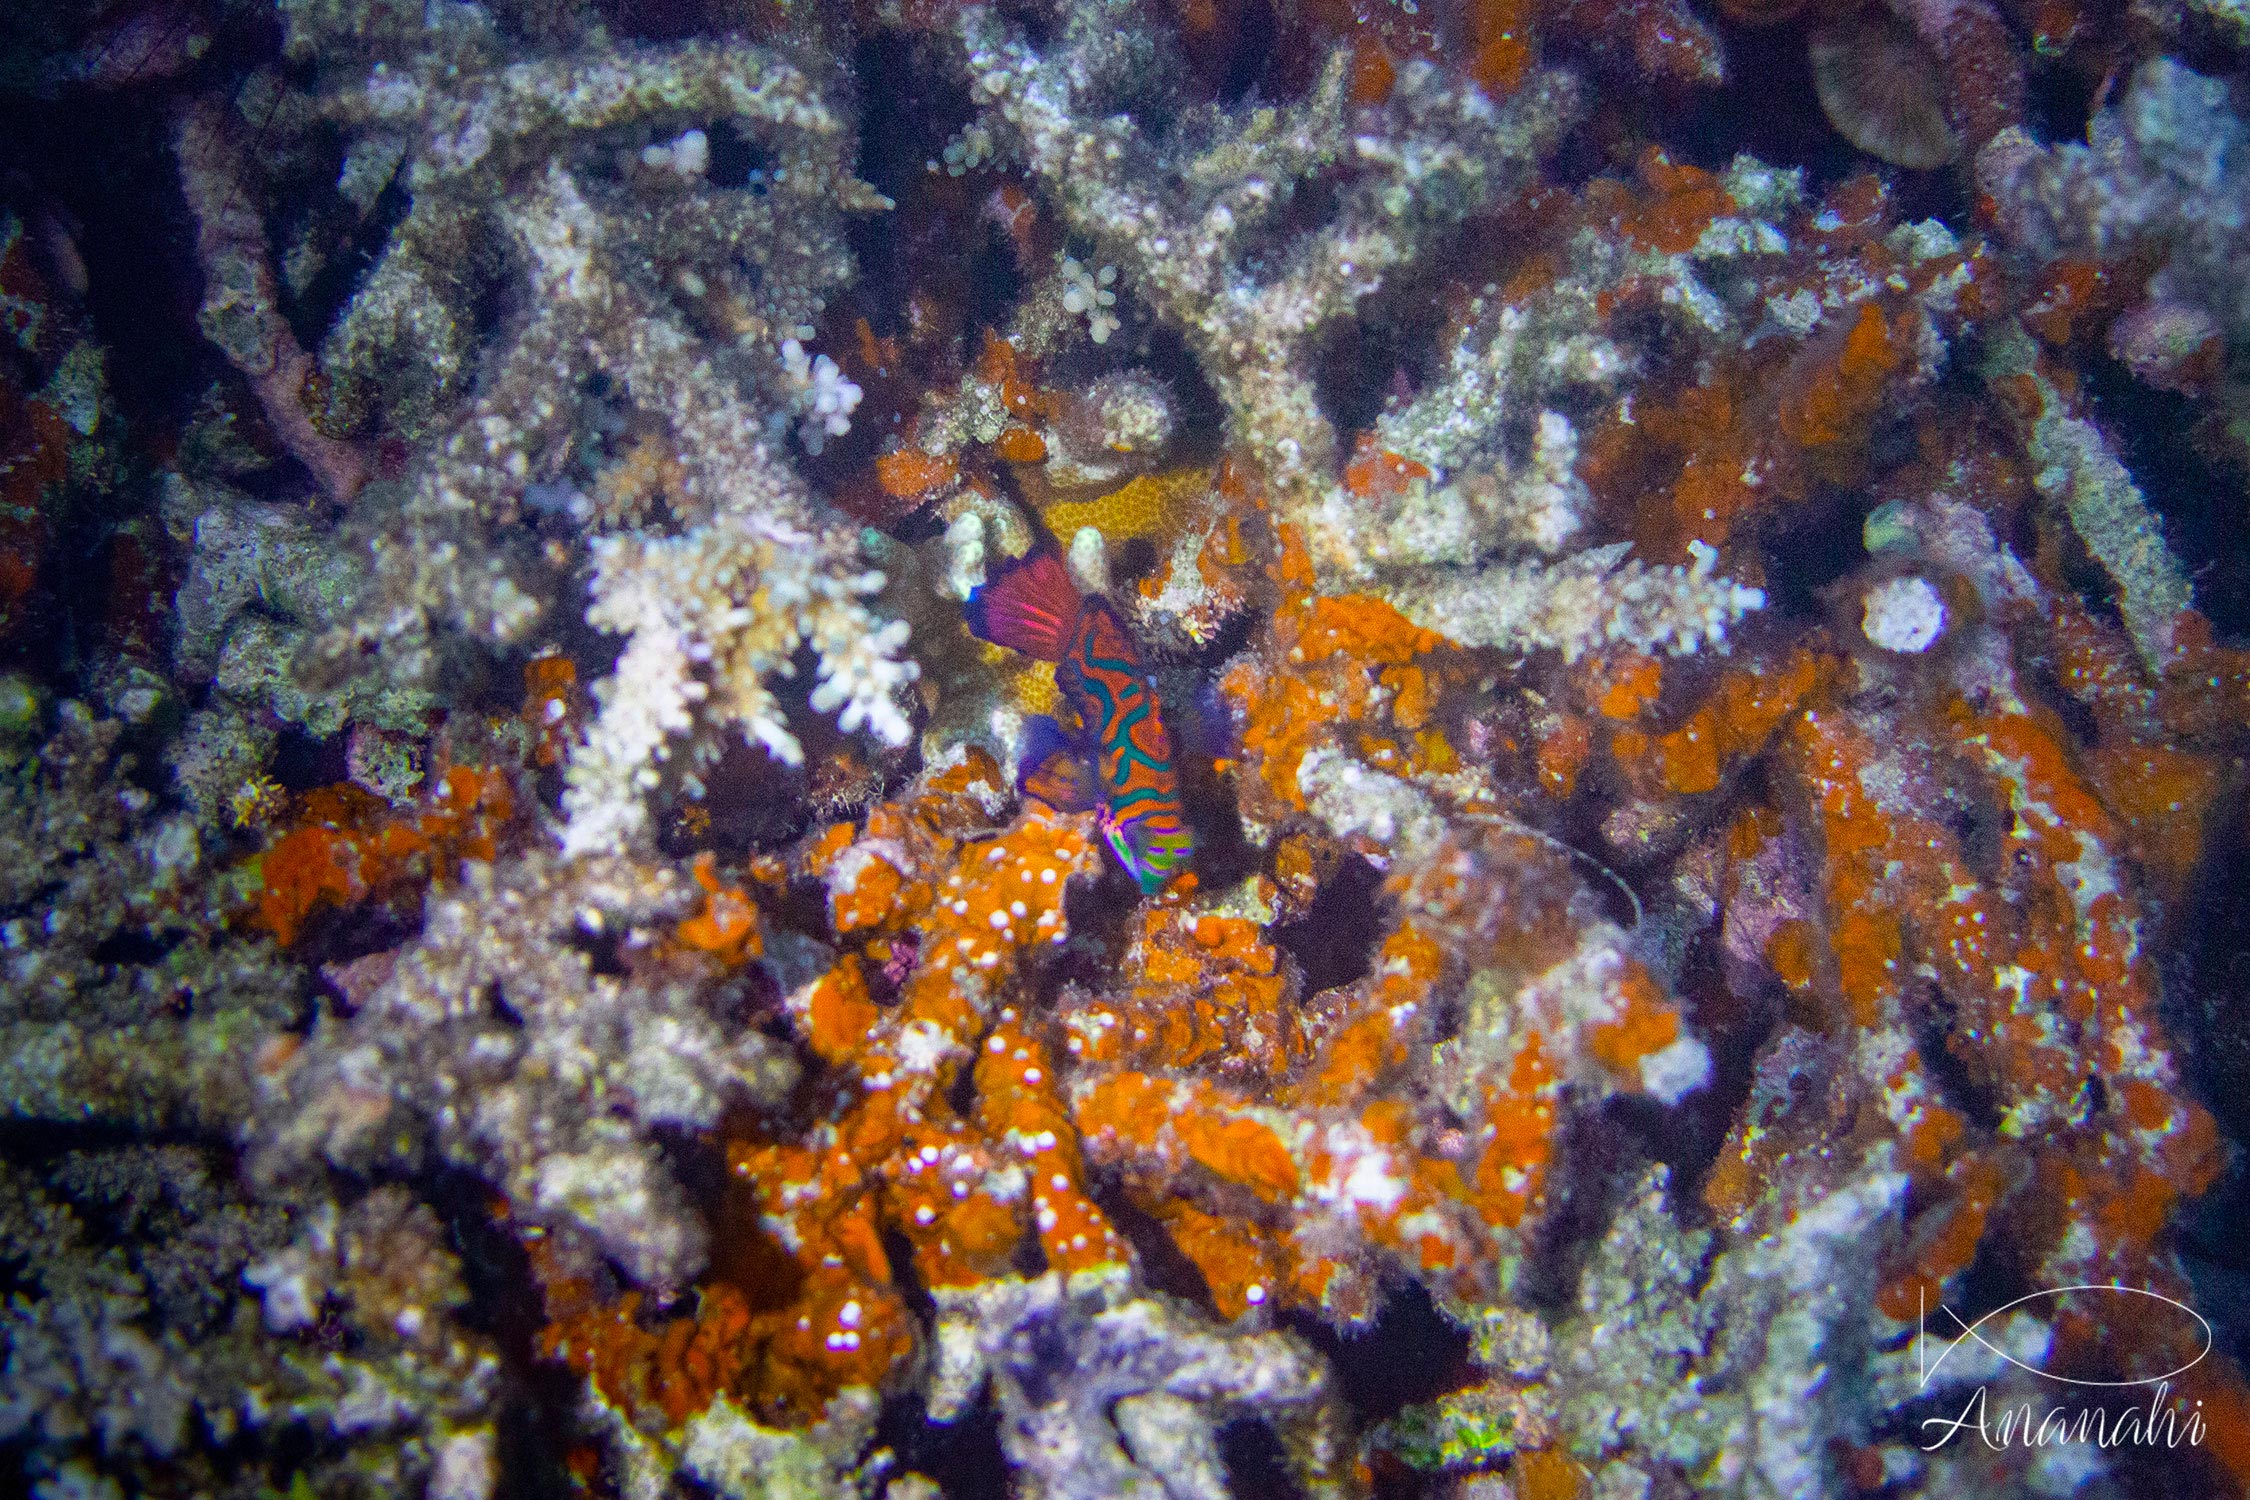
(136, 1354)
(460, 110)
(1707, 741)
(1183, 221)
(89, 867)
(753, 567)
(1103, 1393)
(493, 1034)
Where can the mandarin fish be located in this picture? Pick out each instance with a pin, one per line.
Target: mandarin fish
(1032, 606)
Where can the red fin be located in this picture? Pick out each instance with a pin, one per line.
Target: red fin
(1029, 605)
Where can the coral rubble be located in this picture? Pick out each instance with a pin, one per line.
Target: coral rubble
(1694, 612)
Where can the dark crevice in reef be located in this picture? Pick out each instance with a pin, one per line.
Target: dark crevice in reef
(910, 1287)
(908, 115)
(1256, 1467)
(116, 193)
(302, 761)
(2217, 1256)
(1241, 56)
(538, 1418)
(1372, 362)
(1600, 1156)
(1413, 1353)
(2059, 102)
(1161, 1264)
(1202, 417)
(333, 935)
(1334, 942)
(1687, 1136)
(963, 1455)
(736, 160)
(1815, 546)
(1935, 1019)
(2208, 973)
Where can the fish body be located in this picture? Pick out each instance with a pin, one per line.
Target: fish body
(1032, 606)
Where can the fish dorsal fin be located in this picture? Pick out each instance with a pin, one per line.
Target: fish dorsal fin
(1029, 605)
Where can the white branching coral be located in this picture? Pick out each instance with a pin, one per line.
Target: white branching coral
(711, 610)
(623, 276)
(1504, 357)
(827, 396)
(693, 643)
(714, 610)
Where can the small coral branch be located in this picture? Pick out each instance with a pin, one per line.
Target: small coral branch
(2075, 468)
(241, 300)
(1593, 600)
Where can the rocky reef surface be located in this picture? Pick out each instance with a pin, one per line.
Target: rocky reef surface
(1688, 556)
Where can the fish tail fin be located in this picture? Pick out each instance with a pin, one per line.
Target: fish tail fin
(1029, 605)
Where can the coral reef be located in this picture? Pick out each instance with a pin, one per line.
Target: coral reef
(124, 1343)
(1180, 225)
(158, 1043)
(1103, 1393)
(493, 980)
(751, 567)
(1697, 638)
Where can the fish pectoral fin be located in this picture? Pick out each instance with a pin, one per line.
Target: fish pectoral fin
(1055, 769)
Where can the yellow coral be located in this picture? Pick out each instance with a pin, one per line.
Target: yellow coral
(257, 802)
(1147, 506)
